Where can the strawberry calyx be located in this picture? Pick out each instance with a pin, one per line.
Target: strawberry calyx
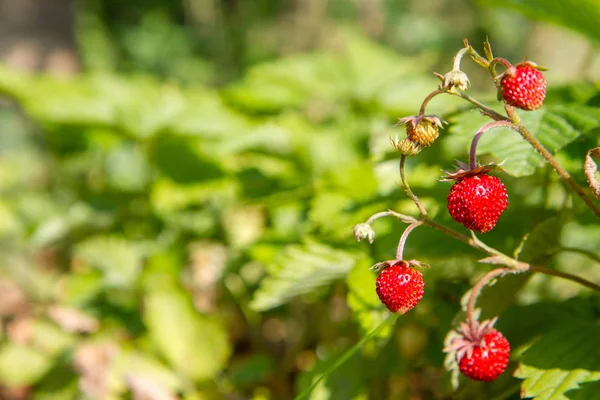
(470, 336)
(390, 263)
(464, 170)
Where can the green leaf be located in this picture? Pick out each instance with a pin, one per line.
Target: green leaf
(301, 269)
(127, 168)
(363, 300)
(194, 344)
(21, 365)
(119, 260)
(289, 82)
(579, 15)
(564, 358)
(541, 244)
(555, 126)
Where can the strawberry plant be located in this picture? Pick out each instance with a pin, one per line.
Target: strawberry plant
(173, 227)
(476, 200)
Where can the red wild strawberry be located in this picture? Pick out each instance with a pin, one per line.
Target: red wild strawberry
(523, 87)
(400, 287)
(477, 201)
(482, 352)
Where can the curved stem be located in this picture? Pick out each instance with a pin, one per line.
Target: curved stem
(503, 61)
(428, 98)
(406, 188)
(565, 275)
(458, 58)
(513, 265)
(495, 273)
(480, 132)
(402, 242)
(527, 135)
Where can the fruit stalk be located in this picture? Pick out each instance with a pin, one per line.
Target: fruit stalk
(487, 278)
(428, 98)
(407, 189)
(480, 132)
(402, 242)
(513, 264)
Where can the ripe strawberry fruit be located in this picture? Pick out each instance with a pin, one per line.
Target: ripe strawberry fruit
(482, 352)
(400, 287)
(488, 358)
(477, 201)
(523, 87)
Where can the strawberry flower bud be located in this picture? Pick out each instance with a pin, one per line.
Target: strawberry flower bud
(456, 78)
(364, 231)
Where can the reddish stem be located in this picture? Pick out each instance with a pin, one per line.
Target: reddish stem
(480, 132)
(402, 242)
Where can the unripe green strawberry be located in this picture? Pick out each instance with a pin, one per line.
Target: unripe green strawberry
(523, 86)
(477, 201)
(400, 287)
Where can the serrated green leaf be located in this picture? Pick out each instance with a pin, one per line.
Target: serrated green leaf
(21, 365)
(301, 269)
(579, 15)
(560, 361)
(555, 126)
(194, 345)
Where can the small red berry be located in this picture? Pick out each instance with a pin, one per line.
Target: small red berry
(477, 201)
(482, 352)
(400, 287)
(523, 87)
(488, 359)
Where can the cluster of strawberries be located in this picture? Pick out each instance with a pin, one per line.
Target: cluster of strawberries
(476, 200)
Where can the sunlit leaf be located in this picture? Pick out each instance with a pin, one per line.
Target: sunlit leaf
(194, 344)
(21, 365)
(119, 260)
(300, 269)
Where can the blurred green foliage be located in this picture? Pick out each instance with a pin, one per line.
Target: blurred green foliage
(176, 220)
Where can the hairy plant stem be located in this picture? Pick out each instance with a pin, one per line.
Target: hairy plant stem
(485, 110)
(407, 189)
(528, 136)
(487, 278)
(428, 99)
(402, 242)
(480, 132)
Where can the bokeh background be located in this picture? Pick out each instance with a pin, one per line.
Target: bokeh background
(179, 180)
